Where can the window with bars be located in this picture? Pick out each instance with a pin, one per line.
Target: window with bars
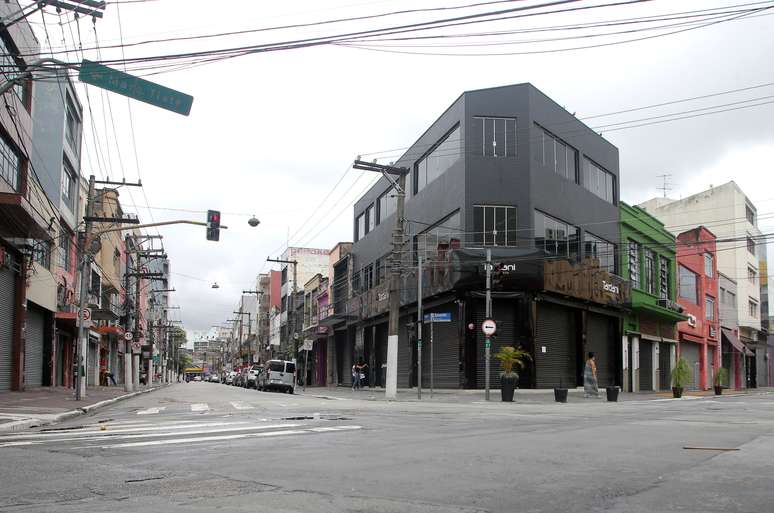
(498, 136)
(650, 271)
(494, 225)
(664, 270)
(634, 264)
(41, 253)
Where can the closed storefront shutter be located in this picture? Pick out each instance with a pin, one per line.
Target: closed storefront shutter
(555, 331)
(33, 347)
(690, 351)
(91, 363)
(646, 365)
(504, 314)
(444, 348)
(7, 302)
(600, 338)
(664, 367)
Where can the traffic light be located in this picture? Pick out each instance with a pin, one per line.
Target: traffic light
(213, 225)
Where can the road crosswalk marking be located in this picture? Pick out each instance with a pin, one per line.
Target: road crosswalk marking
(239, 405)
(151, 411)
(200, 407)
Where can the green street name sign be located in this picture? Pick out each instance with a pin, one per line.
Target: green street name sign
(135, 87)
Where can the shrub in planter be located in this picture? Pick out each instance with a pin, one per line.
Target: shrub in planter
(681, 375)
(510, 357)
(721, 376)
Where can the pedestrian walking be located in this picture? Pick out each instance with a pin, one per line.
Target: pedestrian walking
(361, 369)
(590, 386)
(109, 376)
(355, 377)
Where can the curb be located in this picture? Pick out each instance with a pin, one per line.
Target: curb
(84, 410)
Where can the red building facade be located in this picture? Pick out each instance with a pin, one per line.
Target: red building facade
(697, 278)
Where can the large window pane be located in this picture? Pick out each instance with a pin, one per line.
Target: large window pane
(598, 181)
(512, 231)
(561, 159)
(433, 165)
(688, 285)
(572, 164)
(360, 227)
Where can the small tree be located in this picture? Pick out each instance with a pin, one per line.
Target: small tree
(511, 357)
(721, 377)
(681, 374)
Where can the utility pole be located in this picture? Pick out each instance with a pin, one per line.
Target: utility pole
(127, 329)
(391, 388)
(420, 320)
(87, 254)
(488, 342)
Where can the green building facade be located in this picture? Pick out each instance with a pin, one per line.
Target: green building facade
(647, 259)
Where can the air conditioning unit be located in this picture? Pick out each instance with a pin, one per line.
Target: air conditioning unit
(691, 320)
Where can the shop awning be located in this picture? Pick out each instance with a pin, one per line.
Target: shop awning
(691, 338)
(730, 337)
(110, 330)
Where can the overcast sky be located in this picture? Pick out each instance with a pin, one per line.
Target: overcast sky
(270, 134)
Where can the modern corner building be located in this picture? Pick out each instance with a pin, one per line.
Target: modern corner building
(507, 169)
(647, 259)
(733, 218)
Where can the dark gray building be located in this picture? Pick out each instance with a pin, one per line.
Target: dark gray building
(510, 169)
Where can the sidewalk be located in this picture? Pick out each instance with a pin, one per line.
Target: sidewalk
(474, 396)
(41, 406)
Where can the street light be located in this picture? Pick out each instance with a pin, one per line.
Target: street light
(253, 221)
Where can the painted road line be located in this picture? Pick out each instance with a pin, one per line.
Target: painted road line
(152, 411)
(200, 407)
(160, 427)
(146, 435)
(239, 405)
(222, 438)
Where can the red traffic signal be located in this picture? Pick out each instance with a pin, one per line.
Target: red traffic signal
(213, 225)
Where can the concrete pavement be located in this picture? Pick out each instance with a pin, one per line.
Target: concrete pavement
(207, 447)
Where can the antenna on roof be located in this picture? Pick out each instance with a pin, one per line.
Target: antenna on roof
(667, 186)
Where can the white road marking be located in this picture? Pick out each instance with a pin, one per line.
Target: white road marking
(200, 407)
(239, 405)
(221, 438)
(147, 435)
(178, 426)
(152, 411)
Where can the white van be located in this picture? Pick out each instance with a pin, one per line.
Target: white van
(279, 375)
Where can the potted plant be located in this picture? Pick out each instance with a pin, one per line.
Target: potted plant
(560, 393)
(681, 375)
(720, 377)
(510, 357)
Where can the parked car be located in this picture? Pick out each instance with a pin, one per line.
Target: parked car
(229, 378)
(278, 375)
(214, 378)
(238, 379)
(253, 375)
(197, 378)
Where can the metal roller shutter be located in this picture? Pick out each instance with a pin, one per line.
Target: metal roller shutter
(406, 353)
(600, 340)
(690, 351)
(646, 365)
(7, 302)
(91, 363)
(664, 367)
(445, 350)
(556, 332)
(33, 347)
(504, 313)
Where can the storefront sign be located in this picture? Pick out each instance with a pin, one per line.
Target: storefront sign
(609, 287)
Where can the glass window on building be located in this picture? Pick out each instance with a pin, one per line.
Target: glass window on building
(709, 308)
(370, 219)
(753, 309)
(650, 271)
(73, 126)
(10, 68)
(439, 238)
(556, 237)
(445, 154)
(750, 245)
(10, 163)
(68, 185)
(498, 136)
(599, 181)
(688, 285)
(360, 227)
(664, 270)
(41, 253)
(494, 225)
(708, 265)
(634, 264)
(65, 248)
(557, 155)
(602, 250)
(387, 204)
(749, 214)
(752, 275)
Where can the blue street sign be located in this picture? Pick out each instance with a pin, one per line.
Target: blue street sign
(438, 317)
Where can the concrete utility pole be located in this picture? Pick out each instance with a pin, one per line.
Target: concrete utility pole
(86, 256)
(127, 329)
(391, 387)
(420, 319)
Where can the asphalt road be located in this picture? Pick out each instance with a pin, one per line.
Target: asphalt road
(204, 447)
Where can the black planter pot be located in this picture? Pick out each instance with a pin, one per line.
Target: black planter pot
(560, 395)
(612, 394)
(677, 392)
(718, 390)
(507, 386)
